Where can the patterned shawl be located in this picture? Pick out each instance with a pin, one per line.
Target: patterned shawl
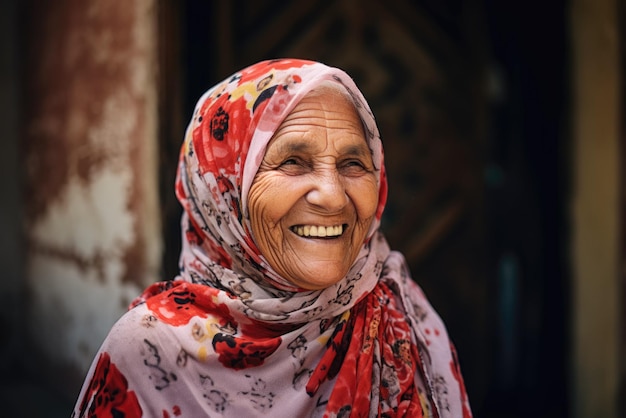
(230, 337)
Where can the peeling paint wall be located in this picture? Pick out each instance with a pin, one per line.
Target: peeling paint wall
(89, 155)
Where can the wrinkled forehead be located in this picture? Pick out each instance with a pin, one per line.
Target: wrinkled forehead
(335, 85)
(328, 106)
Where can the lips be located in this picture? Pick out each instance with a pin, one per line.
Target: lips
(318, 231)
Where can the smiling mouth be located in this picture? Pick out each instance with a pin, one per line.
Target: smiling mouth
(319, 231)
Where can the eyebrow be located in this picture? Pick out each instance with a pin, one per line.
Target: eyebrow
(359, 151)
(294, 147)
(303, 146)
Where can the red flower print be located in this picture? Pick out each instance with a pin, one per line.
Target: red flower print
(152, 290)
(192, 233)
(455, 368)
(379, 318)
(273, 114)
(175, 411)
(188, 300)
(255, 71)
(217, 253)
(108, 394)
(220, 137)
(219, 124)
(241, 353)
(260, 329)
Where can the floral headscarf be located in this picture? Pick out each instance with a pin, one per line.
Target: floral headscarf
(230, 337)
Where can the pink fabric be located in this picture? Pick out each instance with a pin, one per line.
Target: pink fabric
(230, 337)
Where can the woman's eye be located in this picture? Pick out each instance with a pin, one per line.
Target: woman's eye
(354, 164)
(293, 166)
(290, 161)
(353, 167)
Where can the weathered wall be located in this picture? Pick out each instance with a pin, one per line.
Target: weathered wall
(89, 157)
(595, 250)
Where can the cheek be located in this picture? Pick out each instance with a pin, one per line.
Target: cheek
(268, 203)
(365, 198)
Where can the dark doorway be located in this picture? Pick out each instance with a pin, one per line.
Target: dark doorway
(470, 97)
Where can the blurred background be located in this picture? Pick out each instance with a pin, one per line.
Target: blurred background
(504, 139)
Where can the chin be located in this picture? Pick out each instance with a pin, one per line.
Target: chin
(320, 281)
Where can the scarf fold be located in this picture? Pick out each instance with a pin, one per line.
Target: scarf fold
(229, 336)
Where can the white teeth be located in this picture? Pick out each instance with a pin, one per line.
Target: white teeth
(318, 231)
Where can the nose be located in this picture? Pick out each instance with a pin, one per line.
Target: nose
(328, 191)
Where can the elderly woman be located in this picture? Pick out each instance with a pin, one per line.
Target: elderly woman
(289, 302)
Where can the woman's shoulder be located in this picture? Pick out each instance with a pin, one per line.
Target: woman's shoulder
(156, 289)
(134, 324)
(138, 359)
(147, 325)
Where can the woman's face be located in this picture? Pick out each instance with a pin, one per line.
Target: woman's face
(315, 195)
